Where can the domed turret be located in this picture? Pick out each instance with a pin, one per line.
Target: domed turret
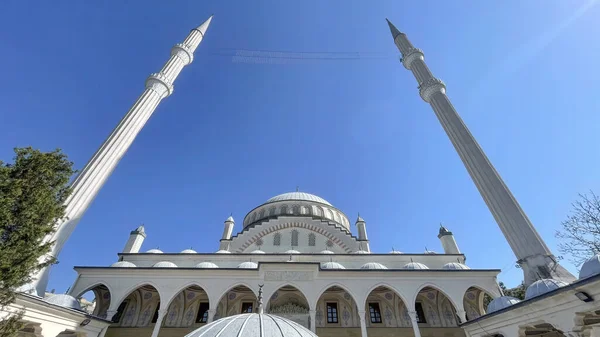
(415, 265)
(64, 300)
(455, 266)
(164, 264)
(591, 267)
(123, 264)
(332, 265)
(373, 265)
(542, 286)
(501, 303)
(207, 265)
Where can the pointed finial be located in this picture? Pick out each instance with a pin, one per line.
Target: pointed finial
(204, 26)
(260, 298)
(393, 29)
(297, 188)
(411, 260)
(331, 259)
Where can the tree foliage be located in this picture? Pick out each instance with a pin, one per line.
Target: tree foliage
(580, 234)
(33, 190)
(516, 292)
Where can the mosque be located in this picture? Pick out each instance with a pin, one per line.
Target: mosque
(297, 266)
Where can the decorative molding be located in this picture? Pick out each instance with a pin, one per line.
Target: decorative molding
(160, 84)
(289, 309)
(412, 55)
(430, 87)
(288, 276)
(183, 52)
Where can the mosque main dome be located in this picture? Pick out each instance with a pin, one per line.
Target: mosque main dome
(297, 204)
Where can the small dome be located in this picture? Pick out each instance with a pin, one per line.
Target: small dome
(248, 265)
(252, 325)
(430, 252)
(501, 303)
(222, 251)
(189, 251)
(123, 264)
(415, 265)
(206, 265)
(543, 286)
(64, 300)
(395, 252)
(361, 252)
(332, 265)
(291, 251)
(326, 251)
(155, 251)
(299, 196)
(590, 267)
(373, 265)
(258, 251)
(455, 266)
(164, 264)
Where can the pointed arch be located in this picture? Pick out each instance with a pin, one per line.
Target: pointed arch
(387, 307)
(139, 306)
(184, 306)
(230, 303)
(439, 309)
(102, 298)
(337, 306)
(475, 301)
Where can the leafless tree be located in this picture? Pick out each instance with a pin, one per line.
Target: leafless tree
(580, 234)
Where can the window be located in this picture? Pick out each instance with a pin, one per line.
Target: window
(420, 313)
(117, 317)
(294, 238)
(375, 313)
(246, 307)
(202, 316)
(312, 239)
(155, 317)
(332, 314)
(277, 239)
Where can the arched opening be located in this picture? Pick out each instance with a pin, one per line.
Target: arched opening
(436, 314)
(95, 301)
(543, 329)
(290, 303)
(138, 309)
(475, 302)
(336, 309)
(387, 311)
(237, 300)
(187, 311)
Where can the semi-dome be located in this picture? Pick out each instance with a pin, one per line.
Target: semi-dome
(252, 325)
(207, 265)
(248, 265)
(292, 251)
(257, 251)
(64, 300)
(590, 267)
(373, 265)
(415, 265)
(299, 196)
(189, 251)
(326, 251)
(361, 252)
(395, 252)
(543, 286)
(123, 264)
(222, 251)
(155, 251)
(501, 303)
(164, 264)
(455, 266)
(332, 265)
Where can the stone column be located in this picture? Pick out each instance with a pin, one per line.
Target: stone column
(313, 320)
(363, 323)
(211, 315)
(161, 316)
(414, 323)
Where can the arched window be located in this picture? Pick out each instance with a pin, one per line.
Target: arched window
(294, 238)
(283, 210)
(277, 239)
(296, 210)
(312, 238)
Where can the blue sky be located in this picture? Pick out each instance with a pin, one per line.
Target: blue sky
(523, 75)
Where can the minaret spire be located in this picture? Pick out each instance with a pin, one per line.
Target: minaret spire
(103, 162)
(531, 251)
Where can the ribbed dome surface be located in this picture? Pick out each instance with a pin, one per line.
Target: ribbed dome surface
(206, 265)
(373, 265)
(591, 267)
(299, 196)
(64, 300)
(542, 286)
(415, 265)
(455, 266)
(501, 303)
(164, 264)
(123, 264)
(332, 265)
(252, 325)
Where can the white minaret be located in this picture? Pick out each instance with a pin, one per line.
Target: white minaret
(533, 255)
(361, 226)
(448, 242)
(136, 238)
(98, 169)
(228, 229)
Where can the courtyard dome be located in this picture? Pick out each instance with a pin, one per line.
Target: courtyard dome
(155, 251)
(189, 251)
(164, 264)
(332, 265)
(543, 286)
(222, 251)
(207, 265)
(361, 252)
(501, 303)
(430, 252)
(590, 267)
(258, 251)
(299, 196)
(415, 265)
(64, 300)
(252, 325)
(373, 265)
(395, 252)
(248, 265)
(455, 266)
(123, 264)
(326, 251)
(292, 251)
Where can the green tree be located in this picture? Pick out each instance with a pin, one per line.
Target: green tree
(516, 292)
(33, 190)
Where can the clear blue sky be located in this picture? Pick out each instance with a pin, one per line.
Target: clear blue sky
(522, 74)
